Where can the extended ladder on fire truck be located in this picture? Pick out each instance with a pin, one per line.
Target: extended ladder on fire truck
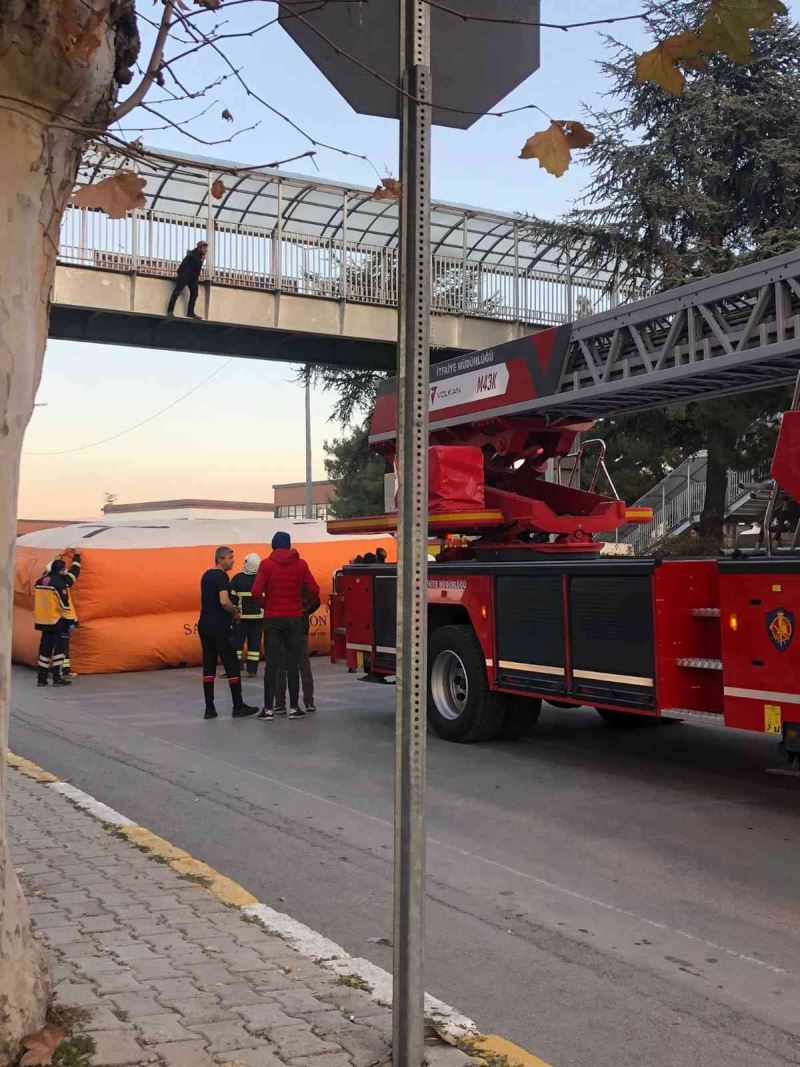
(731, 333)
(525, 401)
(527, 610)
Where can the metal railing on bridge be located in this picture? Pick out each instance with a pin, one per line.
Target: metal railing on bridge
(286, 233)
(153, 243)
(678, 510)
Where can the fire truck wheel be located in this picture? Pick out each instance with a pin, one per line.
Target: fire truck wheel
(522, 714)
(461, 707)
(623, 720)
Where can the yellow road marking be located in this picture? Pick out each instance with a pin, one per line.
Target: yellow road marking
(29, 769)
(224, 889)
(230, 892)
(500, 1047)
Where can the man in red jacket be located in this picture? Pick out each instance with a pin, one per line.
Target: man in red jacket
(281, 580)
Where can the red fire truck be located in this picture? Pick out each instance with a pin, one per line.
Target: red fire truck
(522, 606)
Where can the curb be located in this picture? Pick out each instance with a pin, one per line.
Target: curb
(301, 938)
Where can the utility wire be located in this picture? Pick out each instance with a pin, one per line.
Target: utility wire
(130, 429)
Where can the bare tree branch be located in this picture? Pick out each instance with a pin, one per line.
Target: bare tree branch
(151, 107)
(153, 67)
(170, 123)
(566, 26)
(270, 107)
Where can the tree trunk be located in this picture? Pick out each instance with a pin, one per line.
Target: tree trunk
(57, 64)
(713, 515)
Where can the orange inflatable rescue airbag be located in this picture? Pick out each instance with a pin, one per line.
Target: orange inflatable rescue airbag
(138, 607)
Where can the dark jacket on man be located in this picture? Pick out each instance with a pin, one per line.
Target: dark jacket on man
(191, 267)
(310, 605)
(242, 596)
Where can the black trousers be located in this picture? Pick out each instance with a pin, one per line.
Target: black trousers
(306, 677)
(216, 645)
(248, 631)
(62, 644)
(47, 648)
(283, 640)
(180, 285)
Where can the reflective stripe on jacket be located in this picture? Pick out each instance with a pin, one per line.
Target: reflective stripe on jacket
(242, 596)
(52, 600)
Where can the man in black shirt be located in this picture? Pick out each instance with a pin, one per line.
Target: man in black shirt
(188, 273)
(217, 613)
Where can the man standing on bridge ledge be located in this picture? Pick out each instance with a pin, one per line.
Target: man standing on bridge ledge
(188, 273)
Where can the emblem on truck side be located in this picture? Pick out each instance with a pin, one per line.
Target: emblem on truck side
(780, 627)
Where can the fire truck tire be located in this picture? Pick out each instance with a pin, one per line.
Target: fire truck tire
(461, 707)
(522, 714)
(623, 720)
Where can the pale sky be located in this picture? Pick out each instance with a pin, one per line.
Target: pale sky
(244, 430)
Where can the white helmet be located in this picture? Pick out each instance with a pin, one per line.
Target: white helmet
(251, 562)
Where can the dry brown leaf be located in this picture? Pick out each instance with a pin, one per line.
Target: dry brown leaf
(577, 134)
(550, 147)
(116, 195)
(553, 146)
(728, 24)
(41, 1046)
(661, 64)
(390, 189)
(218, 189)
(227, 115)
(694, 63)
(209, 5)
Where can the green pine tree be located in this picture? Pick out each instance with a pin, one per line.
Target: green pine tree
(357, 474)
(684, 187)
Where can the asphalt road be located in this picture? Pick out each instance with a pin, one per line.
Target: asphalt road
(604, 899)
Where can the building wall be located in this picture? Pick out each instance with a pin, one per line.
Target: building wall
(295, 493)
(290, 499)
(26, 526)
(186, 513)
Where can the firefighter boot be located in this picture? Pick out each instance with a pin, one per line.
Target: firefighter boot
(59, 678)
(42, 678)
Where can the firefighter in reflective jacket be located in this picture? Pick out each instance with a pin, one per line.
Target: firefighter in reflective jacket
(251, 625)
(54, 616)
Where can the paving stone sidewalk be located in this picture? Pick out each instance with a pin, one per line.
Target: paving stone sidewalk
(171, 975)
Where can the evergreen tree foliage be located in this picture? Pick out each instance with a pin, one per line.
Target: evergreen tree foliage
(354, 388)
(684, 187)
(357, 474)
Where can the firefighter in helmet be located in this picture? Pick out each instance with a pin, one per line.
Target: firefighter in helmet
(55, 617)
(251, 625)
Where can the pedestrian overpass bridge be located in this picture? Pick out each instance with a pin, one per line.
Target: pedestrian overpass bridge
(299, 269)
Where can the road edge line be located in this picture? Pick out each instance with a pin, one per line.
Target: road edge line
(303, 939)
(497, 1046)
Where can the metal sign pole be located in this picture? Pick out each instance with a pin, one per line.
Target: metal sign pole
(309, 478)
(412, 569)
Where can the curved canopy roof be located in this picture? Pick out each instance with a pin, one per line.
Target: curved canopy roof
(263, 198)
